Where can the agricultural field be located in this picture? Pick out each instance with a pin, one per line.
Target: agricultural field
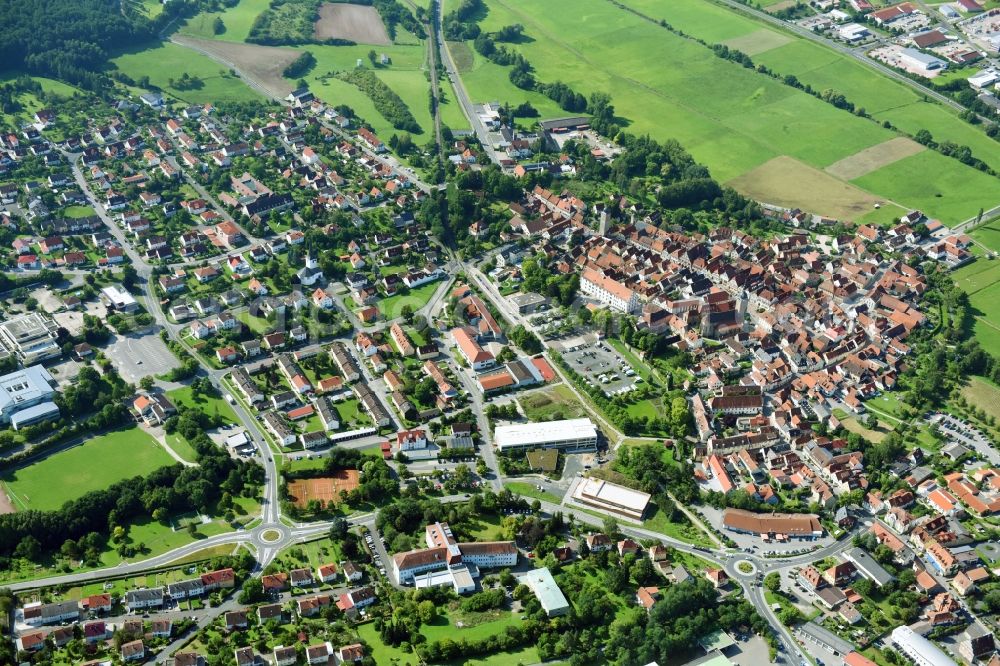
(983, 394)
(94, 465)
(822, 68)
(734, 119)
(169, 61)
(358, 23)
(237, 21)
(953, 195)
(405, 73)
(266, 64)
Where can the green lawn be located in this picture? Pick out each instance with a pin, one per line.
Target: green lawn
(94, 465)
(75, 212)
(169, 61)
(210, 405)
(443, 627)
(382, 653)
(529, 490)
(889, 403)
(637, 364)
(689, 533)
(350, 414)
(181, 447)
(392, 307)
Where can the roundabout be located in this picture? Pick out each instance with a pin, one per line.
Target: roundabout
(271, 535)
(746, 568)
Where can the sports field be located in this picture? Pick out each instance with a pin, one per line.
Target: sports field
(94, 465)
(170, 61)
(325, 489)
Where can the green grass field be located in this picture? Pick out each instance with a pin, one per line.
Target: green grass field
(823, 68)
(382, 653)
(529, 490)
(237, 21)
(404, 75)
(181, 447)
(988, 235)
(391, 307)
(169, 61)
(94, 465)
(986, 309)
(954, 194)
(74, 212)
(984, 394)
(444, 627)
(730, 118)
(29, 101)
(210, 405)
(451, 111)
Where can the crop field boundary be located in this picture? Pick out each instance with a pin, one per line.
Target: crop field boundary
(874, 158)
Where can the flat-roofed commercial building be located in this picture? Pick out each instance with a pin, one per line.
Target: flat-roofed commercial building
(22, 391)
(543, 585)
(30, 337)
(778, 526)
(115, 297)
(612, 497)
(568, 434)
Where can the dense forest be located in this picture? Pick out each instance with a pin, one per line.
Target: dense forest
(76, 40)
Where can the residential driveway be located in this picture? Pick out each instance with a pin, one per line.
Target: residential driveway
(138, 355)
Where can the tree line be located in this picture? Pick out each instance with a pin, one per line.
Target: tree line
(82, 526)
(389, 104)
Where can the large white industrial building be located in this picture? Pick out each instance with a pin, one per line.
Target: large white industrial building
(568, 434)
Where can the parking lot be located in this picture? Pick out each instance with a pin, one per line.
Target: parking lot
(959, 431)
(601, 366)
(137, 355)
